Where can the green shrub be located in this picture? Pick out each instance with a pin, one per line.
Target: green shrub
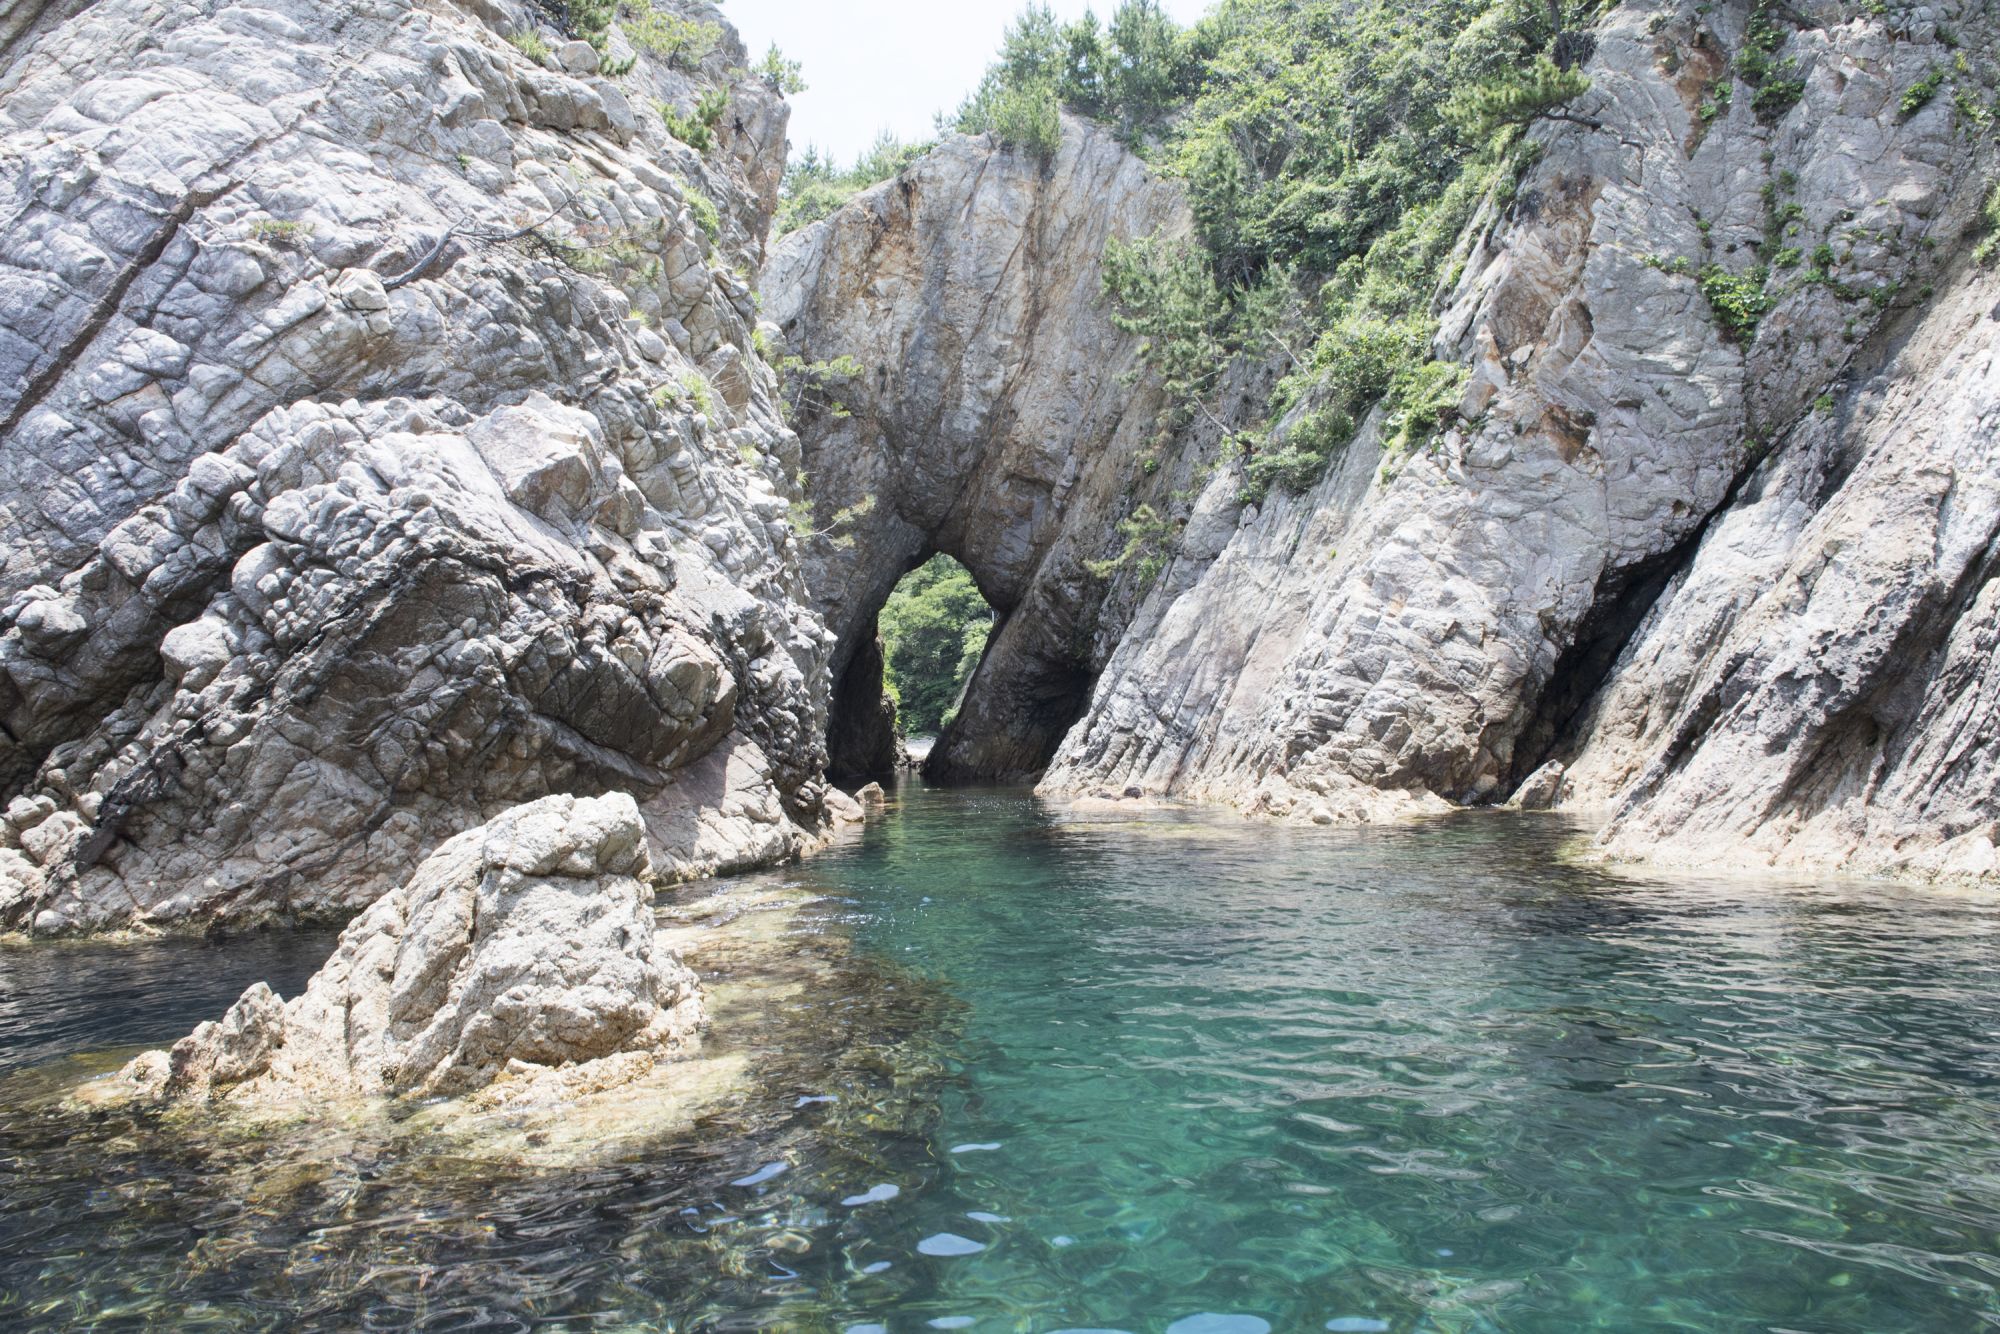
(1149, 545)
(1989, 217)
(1028, 118)
(787, 76)
(1166, 293)
(591, 20)
(530, 44)
(1517, 96)
(703, 208)
(1919, 94)
(814, 186)
(1301, 457)
(1129, 75)
(1777, 97)
(697, 129)
(696, 391)
(282, 232)
(682, 43)
(811, 388)
(1737, 299)
(1422, 401)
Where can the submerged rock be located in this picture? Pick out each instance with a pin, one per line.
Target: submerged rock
(522, 952)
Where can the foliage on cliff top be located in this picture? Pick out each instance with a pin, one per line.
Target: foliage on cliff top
(815, 185)
(934, 628)
(1130, 73)
(1333, 152)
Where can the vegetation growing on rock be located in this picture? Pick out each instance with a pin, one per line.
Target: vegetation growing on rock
(1332, 154)
(815, 185)
(934, 628)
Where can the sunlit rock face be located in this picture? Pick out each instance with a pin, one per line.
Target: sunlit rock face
(994, 418)
(1730, 582)
(1740, 589)
(523, 951)
(336, 516)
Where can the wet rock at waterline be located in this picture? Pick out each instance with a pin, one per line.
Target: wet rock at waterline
(519, 962)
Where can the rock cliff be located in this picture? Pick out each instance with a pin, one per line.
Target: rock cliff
(390, 439)
(1733, 577)
(992, 418)
(1725, 580)
(385, 444)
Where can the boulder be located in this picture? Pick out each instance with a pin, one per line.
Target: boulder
(1541, 789)
(523, 951)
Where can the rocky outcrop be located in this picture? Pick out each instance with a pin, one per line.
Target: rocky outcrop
(992, 419)
(1818, 687)
(385, 444)
(1723, 579)
(1424, 630)
(523, 952)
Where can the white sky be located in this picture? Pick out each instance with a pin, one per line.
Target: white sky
(871, 64)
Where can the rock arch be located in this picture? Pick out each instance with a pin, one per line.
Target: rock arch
(994, 419)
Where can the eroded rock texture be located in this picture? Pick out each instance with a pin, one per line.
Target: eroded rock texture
(341, 512)
(1730, 585)
(992, 419)
(1817, 505)
(525, 949)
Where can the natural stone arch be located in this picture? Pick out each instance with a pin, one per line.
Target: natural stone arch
(995, 419)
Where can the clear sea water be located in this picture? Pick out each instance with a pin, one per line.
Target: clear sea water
(1166, 1073)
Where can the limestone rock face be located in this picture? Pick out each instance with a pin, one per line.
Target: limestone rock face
(1812, 499)
(991, 420)
(1818, 686)
(383, 444)
(524, 949)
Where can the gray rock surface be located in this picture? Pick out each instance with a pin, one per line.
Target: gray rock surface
(524, 951)
(1818, 687)
(992, 420)
(334, 521)
(1728, 590)
(1430, 630)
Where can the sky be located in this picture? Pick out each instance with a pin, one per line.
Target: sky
(876, 64)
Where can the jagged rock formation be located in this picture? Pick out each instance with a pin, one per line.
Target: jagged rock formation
(1728, 584)
(992, 421)
(523, 951)
(384, 445)
(1818, 686)
(1437, 627)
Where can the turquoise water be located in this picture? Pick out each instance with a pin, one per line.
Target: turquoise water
(1182, 1073)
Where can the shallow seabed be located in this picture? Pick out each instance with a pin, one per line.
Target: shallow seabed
(1171, 1072)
